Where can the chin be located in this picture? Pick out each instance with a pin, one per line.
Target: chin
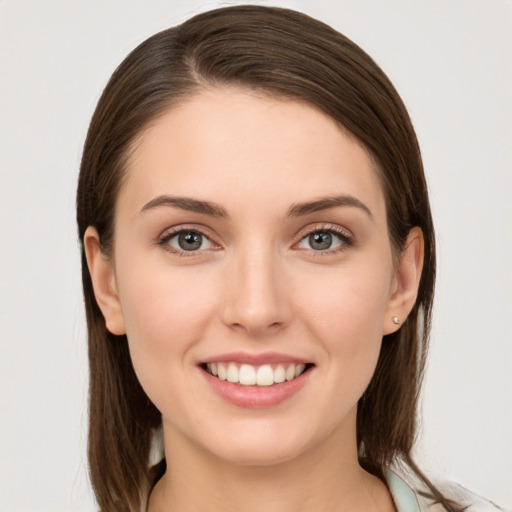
(257, 456)
(261, 445)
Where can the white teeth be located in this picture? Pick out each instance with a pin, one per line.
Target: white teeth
(299, 369)
(265, 375)
(279, 374)
(223, 373)
(233, 373)
(248, 375)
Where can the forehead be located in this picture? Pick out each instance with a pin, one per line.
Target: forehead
(226, 144)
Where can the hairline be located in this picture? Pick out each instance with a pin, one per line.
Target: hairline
(201, 85)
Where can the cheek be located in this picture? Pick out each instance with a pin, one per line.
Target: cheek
(344, 311)
(166, 312)
(349, 301)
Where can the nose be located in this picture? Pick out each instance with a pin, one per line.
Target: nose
(255, 298)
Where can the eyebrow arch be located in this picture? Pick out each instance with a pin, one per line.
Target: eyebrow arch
(325, 203)
(186, 203)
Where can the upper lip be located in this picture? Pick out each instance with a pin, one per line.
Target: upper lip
(255, 359)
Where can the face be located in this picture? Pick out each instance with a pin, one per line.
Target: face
(251, 243)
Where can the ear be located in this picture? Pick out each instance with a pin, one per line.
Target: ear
(102, 274)
(406, 282)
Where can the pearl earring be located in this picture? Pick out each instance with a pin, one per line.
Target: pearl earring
(396, 320)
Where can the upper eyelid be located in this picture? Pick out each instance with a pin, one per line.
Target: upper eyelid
(329, 228)
(174, 230)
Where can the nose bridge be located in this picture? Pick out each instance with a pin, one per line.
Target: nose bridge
(254, 300)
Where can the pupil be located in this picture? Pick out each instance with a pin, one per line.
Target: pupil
(320, 241)
(190, 241)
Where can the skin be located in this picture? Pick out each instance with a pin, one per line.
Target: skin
(258, 286)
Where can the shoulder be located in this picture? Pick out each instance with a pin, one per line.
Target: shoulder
(470, 501)
(407, 489)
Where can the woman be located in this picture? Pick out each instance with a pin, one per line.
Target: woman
(258, 274)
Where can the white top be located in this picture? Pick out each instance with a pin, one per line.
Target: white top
(410, 497)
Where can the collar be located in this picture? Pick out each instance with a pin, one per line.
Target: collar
(403, 496)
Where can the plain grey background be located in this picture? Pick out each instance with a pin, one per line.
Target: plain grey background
(452, 62)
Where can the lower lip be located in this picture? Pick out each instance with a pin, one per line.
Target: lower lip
(256, 397)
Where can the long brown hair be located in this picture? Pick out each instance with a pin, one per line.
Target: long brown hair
(285, 54)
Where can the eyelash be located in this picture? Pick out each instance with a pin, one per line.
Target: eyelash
(163, 241)
(347, 240)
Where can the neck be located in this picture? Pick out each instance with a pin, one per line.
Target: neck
(326, 477)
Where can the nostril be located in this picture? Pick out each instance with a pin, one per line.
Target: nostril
(257, 329)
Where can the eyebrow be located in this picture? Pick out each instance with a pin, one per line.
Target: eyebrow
(297, 210)
(326, 203)
(188, 204)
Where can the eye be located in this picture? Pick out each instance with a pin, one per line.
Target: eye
(323, 240)
(188, 240)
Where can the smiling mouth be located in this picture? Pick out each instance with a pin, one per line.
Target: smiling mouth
(249, 375)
